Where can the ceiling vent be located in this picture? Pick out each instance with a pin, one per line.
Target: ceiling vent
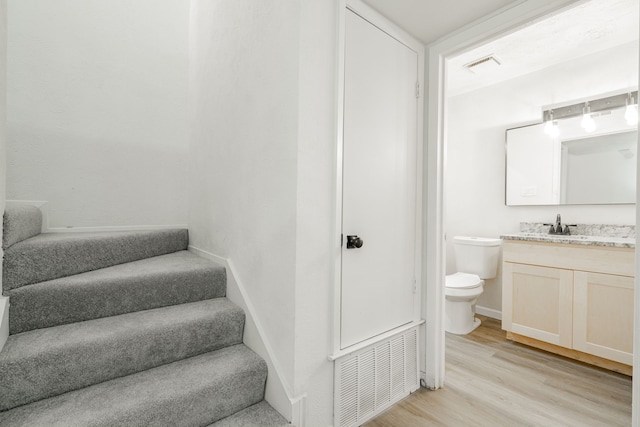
(483, 65)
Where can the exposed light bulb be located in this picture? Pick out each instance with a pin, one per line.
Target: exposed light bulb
(631, 113)
(552, 129)
(587, 123)
(551, 126)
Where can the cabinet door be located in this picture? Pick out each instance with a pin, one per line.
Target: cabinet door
(603, 315)
(537, 302)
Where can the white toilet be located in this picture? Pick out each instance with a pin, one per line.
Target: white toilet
(476, 259)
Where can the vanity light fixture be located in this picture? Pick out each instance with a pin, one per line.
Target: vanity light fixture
(551, 127)
(590, 108)
(587, 123)
(631, 113)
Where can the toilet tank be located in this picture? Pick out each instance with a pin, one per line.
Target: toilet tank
(477, 255)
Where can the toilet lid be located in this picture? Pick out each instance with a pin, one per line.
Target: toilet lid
(462, 281)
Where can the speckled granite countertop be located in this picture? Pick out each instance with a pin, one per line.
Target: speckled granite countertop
(618, 236)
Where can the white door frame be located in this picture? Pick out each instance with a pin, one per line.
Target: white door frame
(371, 15)
(493, 26)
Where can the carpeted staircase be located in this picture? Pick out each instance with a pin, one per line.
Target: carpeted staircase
(122, 329)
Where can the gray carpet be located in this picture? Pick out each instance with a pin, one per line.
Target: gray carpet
(122, 329)
(52, 255)
(191, 392)
(160, 281)
(47, 362)
(20, 222)
(259, 415)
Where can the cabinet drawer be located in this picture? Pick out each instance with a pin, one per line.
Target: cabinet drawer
(596, 259)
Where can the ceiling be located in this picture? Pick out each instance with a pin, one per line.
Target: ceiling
(590, 27)
(429, 20)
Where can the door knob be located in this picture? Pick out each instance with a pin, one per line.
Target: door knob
(354, 242)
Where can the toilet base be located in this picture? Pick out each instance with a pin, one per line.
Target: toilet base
(460, 317)
(476, 322)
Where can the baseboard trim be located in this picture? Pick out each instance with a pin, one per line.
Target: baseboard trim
(277, 392)
(299, 411)
(489, 312)
(4, 320)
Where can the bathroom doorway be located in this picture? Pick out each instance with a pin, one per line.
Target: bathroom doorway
(507, 82)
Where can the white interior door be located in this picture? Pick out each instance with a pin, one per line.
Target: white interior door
(379, 182)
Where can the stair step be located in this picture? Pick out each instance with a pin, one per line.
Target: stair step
(52, 255)
(20, 222)
(191, 392)
(48, 362)
(259, 415)
(175, 278)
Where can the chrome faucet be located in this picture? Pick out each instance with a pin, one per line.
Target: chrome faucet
(558, 228)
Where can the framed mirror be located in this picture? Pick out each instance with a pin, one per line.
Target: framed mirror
(576, 167)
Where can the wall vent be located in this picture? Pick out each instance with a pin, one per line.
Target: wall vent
(370, 380)
(483, 64)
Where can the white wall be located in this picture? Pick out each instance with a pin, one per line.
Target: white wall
(261, 171)
(97, 110)
(243, 152)
(4, 301)
(475, 139)
(315, 225)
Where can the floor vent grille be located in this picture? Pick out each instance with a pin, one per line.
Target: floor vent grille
(372, 379)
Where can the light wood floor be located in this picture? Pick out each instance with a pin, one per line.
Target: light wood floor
(494, 382)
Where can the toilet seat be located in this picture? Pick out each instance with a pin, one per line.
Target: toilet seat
(463, 285)
(463, 281)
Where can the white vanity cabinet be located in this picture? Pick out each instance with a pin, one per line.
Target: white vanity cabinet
(575, 300)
